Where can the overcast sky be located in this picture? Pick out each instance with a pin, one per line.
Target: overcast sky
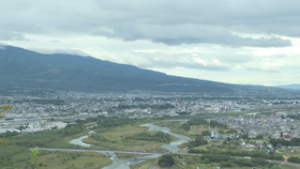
(233, 41)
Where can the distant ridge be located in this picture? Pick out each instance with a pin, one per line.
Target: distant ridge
(291, 86)
(24, 68)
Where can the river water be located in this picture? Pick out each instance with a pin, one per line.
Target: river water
(126, 162)
(78, 141)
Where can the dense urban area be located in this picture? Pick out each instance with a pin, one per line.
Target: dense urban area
(245, 124)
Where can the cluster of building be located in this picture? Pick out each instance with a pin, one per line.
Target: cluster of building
(278, 125)
(69, 106)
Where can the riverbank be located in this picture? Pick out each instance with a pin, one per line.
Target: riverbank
(124, 163)
(65, 159)
(116, 138)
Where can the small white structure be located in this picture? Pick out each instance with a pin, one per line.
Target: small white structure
(243, 144)
(249, 146)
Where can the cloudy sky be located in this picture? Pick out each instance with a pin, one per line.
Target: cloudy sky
(234, 41)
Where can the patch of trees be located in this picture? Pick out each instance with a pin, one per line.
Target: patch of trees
(184, 113)
(89, 120)
(197, 142)
(217, 124)
(114, 121)
(99, 138)
(159, 136)
(185, 126)
(70, 130)
(166, 161)
(259, 137)
(198, 121)
(240, 154)
(292, 142)
(294, 160)
(193, 122)
(46, 138)
(72, 156)
(19, 144)
(294, 117)
(245, 136)
(213, 158)
(8, 134)
(231, 131)
(51, 138)
(205, 133)
(227, 161)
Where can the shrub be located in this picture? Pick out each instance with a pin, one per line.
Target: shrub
(166, 161)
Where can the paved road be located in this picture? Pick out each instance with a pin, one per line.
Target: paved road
(95, 150)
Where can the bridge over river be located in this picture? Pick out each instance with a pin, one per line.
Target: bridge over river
(98, 151)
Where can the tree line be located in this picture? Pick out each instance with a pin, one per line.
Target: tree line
(8, 134)
(159, 136)
(103, 122)
(294, 160)
(240, 154)
(199, 140)
(282, 142)
(294, 117)
(19, 143)
(228, 161)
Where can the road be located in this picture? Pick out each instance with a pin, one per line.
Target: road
(98, 151)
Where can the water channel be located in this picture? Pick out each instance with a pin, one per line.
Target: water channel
(126, 162)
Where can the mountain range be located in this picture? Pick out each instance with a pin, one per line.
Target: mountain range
(23, 68)
(291, 86)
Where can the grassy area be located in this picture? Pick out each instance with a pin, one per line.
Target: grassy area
(67, 139)
(17, 152)
(124, 155)
(175, 128)
(90, 124)
(145, 165)
(115, 139)
(286, 166)
(198, 129)
(65, 159)
(186, 163)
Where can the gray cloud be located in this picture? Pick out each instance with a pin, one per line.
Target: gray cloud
(8, 35)
(185, 60)
(172, 64)
(170, 22)
(188, 34)
(260, 69)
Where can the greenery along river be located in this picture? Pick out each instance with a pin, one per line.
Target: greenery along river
(125, 163)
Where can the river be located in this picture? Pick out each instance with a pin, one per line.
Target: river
(126, 162)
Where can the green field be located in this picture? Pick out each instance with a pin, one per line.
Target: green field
(65, 159)
(188, 162)
(114, 138)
